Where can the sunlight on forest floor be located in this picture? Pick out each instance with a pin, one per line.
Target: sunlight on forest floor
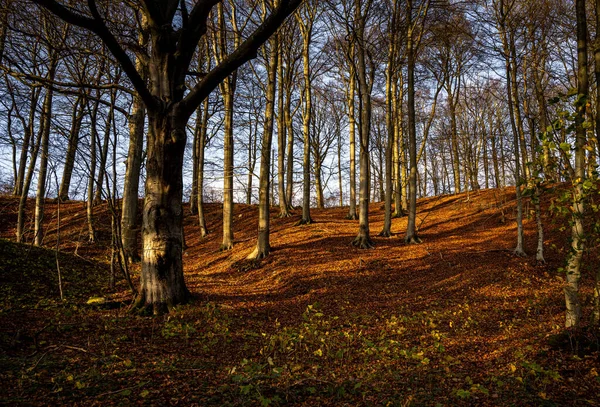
(457, 320)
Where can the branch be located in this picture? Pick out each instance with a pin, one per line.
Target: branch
(98, 27)
(244, 53)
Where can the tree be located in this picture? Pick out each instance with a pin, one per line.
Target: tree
(173, 41)
(306, 20)
(365, 81)
(573, 313)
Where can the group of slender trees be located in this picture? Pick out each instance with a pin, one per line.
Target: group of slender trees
(335, 102)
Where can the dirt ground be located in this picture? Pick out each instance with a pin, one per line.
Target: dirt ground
(456, 320)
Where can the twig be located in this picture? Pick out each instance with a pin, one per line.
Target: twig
(108, 393)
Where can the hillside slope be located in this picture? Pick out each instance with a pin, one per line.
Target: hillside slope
(457, 320)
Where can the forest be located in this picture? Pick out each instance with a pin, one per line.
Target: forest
(300, 202)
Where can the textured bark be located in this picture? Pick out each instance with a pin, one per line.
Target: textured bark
(162, 284)
(363, 238)
(572, 302)
(306, 27)
(284, 206)
(129, 213)
(263, 246)
(130, 225)
(411, 230)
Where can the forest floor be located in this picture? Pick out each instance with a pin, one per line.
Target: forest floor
(456, 320)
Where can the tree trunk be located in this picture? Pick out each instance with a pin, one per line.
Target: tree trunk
(519, 251)
(306, 118)
(228, 93)
(27, 183)
(29, 131)
(129, 211)
(398, 147)
(596, 312)
(76, 120)
(104, 152)
(162, 284)
(573, 314)
(411, 229)
(363, 239)
(263, 246)
(92, 174)
(45, 143)
(284, 207)
(201, 134)
(352, 130)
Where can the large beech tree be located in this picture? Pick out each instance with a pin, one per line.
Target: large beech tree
(175, 28)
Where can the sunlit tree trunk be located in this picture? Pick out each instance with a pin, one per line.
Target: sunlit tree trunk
(363, 238)
(284, 206)
(306, 27)
(201, 136)
(263, 246)
(411, 229)
(573, 314)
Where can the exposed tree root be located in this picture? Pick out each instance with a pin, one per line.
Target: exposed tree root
(225, 247)
(141, 307)
(414, 239)
(259, 253)
(519, 252)
(285, 214)
(363, 242)
(397, 215)
(385, 233)
(304, 222)
(351, 216)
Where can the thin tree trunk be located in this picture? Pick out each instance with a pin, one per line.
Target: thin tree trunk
(263, 246)
(411, 229)
(45, 143)
(519, 251)
(284, 206)
(573, 314)
(92, 174)
(104, 152)
(29, 131)
(363, 238)
(596, 312)
(352, 133)
(306, 28)
(27, 183)
(201, 134)
(76, 120)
